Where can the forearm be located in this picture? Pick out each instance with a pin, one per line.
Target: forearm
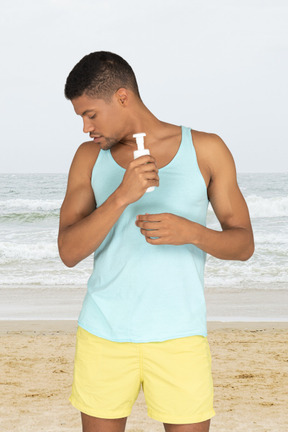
(79, 240)
(229, 244)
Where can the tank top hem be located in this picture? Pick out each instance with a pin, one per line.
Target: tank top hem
(144, 340)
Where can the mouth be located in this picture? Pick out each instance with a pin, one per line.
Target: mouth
(96, 138)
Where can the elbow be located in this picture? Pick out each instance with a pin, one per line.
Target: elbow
(248, 252)
(67, 259)
(66, 255)
(68, 262)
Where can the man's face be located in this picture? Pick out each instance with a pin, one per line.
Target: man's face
(102, 120)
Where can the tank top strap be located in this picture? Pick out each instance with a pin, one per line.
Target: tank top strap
(102, 163)
(188, 157)
(186, 152)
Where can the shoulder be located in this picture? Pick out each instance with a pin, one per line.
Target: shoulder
(212, 153)
(85, 158)
(210, 144)
(87, 152)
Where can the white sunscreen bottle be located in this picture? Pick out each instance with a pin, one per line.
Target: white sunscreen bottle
(141, 151)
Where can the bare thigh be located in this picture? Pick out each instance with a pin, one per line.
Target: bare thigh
(96, 424)
(195, 427)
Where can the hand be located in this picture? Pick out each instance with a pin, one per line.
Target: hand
(167, 227)
(140, 174)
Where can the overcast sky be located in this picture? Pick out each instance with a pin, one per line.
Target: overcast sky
(219, 66)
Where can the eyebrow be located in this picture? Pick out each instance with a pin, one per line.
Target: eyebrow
(86, 112)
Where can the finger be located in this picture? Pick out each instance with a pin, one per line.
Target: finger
(146, 172)
(154, 241)
(150, 217)
(151, 175)
(150, 167)
(148, 225)
(142, 160)
(153, 183)
(137, 219)
(149, 233)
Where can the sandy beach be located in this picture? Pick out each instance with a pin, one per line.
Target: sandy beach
(250, 372)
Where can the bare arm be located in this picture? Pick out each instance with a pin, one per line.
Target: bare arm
(82, 226)
(235, 241)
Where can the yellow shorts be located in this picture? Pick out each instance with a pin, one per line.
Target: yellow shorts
(175, 376)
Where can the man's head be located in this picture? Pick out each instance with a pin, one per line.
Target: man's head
(100, 75)
(104, 92)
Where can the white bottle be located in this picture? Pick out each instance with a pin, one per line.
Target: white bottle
(141, 151)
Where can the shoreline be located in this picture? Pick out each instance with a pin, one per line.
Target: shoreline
(64, 303)
(70, 326)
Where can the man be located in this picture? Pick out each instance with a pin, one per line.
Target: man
(143, 320)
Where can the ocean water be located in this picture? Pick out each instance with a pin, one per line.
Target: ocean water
(267, 199)
(29, 216)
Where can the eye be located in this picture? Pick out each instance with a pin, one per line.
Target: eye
(92, 117)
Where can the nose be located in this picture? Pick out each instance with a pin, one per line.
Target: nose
(87, 126)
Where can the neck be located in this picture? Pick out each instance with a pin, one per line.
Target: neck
(141, 120)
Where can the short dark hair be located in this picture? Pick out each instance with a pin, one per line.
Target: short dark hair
(100, 74)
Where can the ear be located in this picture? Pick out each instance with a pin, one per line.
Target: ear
(122, 96)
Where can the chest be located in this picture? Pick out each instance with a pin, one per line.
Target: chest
(163, 151)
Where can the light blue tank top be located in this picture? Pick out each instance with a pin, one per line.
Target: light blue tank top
(140, 292)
